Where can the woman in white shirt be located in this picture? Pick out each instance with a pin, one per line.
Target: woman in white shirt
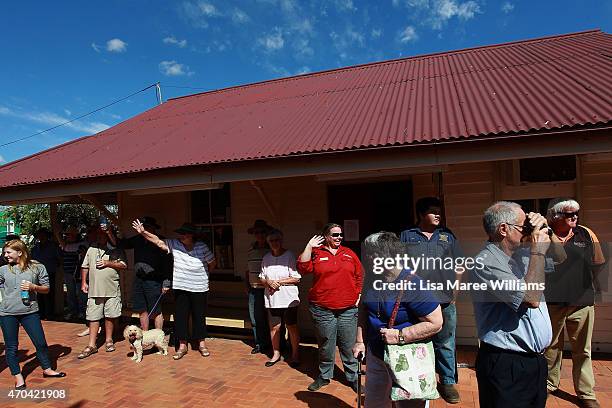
(280, 277)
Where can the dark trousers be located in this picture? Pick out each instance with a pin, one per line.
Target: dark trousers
(510, 379)
(259, 318)
(72, 293)
(32, 326)
(46, 303)
(194, 304)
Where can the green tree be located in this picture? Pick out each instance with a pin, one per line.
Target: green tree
(32, 217)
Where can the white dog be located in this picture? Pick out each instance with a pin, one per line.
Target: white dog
(140, 341)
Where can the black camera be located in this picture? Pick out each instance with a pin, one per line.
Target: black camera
(528, 228)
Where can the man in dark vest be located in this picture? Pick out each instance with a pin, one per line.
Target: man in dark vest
(570, 295)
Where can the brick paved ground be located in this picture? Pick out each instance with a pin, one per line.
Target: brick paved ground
(230, 377)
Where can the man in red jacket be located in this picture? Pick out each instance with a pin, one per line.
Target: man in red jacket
(334, 296)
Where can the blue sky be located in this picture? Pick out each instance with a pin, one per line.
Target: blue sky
(65, 58)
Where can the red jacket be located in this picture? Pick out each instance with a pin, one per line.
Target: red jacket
(337, 278)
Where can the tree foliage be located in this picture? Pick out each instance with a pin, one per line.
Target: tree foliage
(32, 217)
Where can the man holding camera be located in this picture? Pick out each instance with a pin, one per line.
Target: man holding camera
(570, 294)
(511, 315)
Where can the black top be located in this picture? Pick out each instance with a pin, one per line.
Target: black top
(150, 262)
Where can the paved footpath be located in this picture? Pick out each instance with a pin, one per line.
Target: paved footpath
(230, 377)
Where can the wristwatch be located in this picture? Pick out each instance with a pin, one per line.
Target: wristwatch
(401, 341)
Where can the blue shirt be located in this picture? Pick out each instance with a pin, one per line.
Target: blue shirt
(502, 319)
(442, 245)
(379, 305)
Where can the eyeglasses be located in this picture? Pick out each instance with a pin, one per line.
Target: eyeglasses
(336, 235)
(520, 228)
(570, 214)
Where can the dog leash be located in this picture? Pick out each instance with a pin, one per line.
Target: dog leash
(155, 305)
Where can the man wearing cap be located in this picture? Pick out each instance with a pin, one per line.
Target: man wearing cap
(257, 308)
(570, 294)
(152, 268)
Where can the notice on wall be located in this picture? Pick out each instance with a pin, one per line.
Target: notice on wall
(351, 230)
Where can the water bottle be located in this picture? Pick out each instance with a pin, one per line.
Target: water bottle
(25, 297)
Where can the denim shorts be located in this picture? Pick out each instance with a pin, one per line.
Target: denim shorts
(145, 294)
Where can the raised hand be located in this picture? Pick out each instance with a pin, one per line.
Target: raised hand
(316, 241)
(137, 225)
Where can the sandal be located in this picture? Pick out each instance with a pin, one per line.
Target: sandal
(204, 352)
(110, 347)
(179, 354)
(87, 351)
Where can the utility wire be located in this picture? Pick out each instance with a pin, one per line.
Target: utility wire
(77, 118)
(185, 87)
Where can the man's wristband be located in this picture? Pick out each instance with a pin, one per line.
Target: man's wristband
(536, 254)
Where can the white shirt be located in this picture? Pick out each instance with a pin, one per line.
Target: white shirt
(276, 268)
(190, 267)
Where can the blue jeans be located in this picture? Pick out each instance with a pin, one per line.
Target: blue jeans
(444, 346)
(32, 326)
(335, 327)
(259, 318)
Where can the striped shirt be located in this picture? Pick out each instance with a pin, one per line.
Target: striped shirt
(190, 270)
(70, 261)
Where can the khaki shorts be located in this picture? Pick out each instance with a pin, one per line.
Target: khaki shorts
(101, 307)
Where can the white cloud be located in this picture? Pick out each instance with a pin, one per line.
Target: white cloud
(346, 40)
(303, 70)
(345, 5)
(172, 40)
(116, 45)
(239, 16)
(173, 68)
(408, 34)
(376, 33)
(2, 159)
(53, 119)
(302, 48)
(507, 7)
(449, 8)
(436, 13)
(208, 9)
(67, 112)
(95, 47)
(272, 42)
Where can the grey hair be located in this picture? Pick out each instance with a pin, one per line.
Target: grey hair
(557, 206)
(382, 244)
(502, 212)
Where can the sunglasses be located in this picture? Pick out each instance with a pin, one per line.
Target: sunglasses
(570, 214)
(336, 235)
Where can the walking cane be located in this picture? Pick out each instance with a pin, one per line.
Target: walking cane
(359, 373)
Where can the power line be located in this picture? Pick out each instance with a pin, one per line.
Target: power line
(78, 117)
(185, 87)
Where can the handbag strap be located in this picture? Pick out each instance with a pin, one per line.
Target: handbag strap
(395, 309)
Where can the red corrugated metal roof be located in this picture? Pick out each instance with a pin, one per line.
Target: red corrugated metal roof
(547, 83)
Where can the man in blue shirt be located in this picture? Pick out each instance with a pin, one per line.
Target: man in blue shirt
(511, 316)
(438, 248)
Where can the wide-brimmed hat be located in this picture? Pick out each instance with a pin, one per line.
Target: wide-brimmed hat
(259, 226)
(187, 228)
(150, 221)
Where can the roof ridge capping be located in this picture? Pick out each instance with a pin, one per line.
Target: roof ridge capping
(391, 61)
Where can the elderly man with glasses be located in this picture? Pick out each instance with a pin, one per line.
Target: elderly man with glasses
(570, 294)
